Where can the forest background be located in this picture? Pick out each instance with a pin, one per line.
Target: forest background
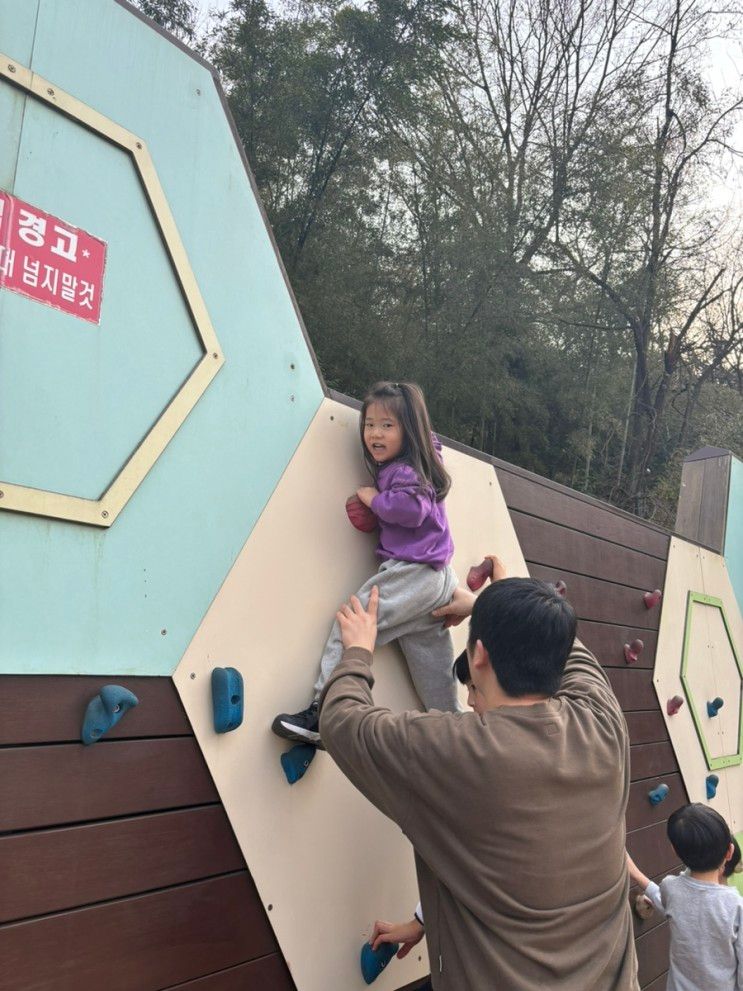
(531, 207)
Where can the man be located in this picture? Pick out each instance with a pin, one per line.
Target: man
(515, 810)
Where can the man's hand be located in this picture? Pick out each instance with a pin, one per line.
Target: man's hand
(366, 493)
(405, 933)
(359, 625)
(456, 611)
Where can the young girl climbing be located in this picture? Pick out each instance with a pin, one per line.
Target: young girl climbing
(415, 546)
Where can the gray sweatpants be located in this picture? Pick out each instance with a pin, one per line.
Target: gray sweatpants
(408, 593)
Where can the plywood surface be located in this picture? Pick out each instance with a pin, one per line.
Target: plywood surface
(318, 850)
(695, 569)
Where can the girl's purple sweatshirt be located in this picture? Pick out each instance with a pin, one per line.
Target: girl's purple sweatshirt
(412, 525)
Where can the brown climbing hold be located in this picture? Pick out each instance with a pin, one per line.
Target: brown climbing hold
(652, 599)
(674, 704)
(643, 907)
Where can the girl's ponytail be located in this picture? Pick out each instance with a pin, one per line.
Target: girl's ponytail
(406, 401)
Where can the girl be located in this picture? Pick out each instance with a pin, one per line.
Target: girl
(415, 546)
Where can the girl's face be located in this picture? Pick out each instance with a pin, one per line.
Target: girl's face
(383, 433)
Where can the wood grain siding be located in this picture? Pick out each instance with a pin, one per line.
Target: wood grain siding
(119, 866)
(608, 560)
(50, 709)
(702, 507)
(258, 975)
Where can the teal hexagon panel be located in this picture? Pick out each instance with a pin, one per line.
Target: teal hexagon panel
(76, 398)
(80, 397)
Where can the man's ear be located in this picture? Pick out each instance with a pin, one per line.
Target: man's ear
(480, 657)
(729, 854)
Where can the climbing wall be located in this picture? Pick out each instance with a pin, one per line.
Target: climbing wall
(172, 479)
(318, 850)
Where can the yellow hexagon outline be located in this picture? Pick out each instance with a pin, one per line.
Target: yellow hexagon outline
(103, 511)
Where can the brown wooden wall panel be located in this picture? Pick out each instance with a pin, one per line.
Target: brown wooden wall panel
(139, 944)
(657, 918)
(50, 708)
(529, 495)
(702, 508)
(633, 687)
(651, 759)
(602, 601)
(646, 727)
(545, 543)
(55, 869)
(641, 812)
(52, 785)
(659, 984)
(267, 974)
(607, 643)
(651, 850)
(652, 954)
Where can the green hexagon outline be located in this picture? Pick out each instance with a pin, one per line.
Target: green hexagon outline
(729, 760)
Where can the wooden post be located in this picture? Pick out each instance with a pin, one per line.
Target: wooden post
(701, 515)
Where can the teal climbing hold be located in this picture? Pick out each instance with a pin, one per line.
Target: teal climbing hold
(296, 761)
(714, 707)
(227, 699)
(105, 710)
(712, 781)
(373, 962)
(657, 795)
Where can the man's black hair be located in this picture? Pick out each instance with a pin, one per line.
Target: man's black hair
(699, 835)
(528, 630)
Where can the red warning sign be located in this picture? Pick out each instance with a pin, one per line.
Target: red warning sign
(51, 261)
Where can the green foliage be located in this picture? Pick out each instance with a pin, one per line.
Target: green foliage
(497, 199)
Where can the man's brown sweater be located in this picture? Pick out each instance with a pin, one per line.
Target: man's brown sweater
(517, 820)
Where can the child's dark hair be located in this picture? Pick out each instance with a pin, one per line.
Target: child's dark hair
(699, 835)
(528, 630)
(405, 401)
(729, 868)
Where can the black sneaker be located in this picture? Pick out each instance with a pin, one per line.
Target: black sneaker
(302, 726)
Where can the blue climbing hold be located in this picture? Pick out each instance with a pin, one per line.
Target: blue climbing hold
(296, 761)
(657, 795)
(712, 781)
(714, 707)
(227, 699)
(105, 710)
(373, 962)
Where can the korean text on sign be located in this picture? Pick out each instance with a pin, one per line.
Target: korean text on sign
(48, 260)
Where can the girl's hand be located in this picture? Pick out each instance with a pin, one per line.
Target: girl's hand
(366, 493)
(405, 933)
(359, 625)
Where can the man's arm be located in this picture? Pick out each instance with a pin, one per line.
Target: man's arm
(369, 744)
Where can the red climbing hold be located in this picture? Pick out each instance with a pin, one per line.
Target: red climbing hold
(674, 704)
(633, 650)
(360, 515)
(479, 574)
(561, 588)
(652, 598)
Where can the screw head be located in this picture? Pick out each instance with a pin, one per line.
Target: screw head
(163, 632)
(104, 514)
(1, 493)
(193, 676)
(50, 91)
(215, 354)
(11, 68)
